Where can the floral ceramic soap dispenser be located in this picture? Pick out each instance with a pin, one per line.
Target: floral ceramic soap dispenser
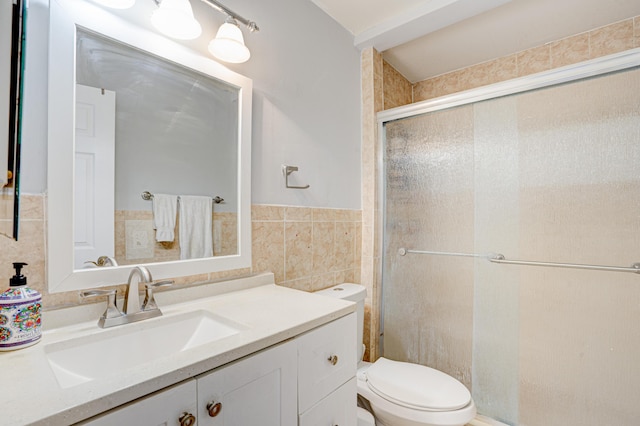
(20, 305)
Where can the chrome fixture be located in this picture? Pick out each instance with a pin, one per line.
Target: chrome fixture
(147, 196)
(103, 261)
(286, 171)
(174, 18)
(499, 258)
(133, 311)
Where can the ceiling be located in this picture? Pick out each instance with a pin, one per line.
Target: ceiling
(425, 38)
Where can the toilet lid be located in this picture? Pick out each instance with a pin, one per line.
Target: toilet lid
(416, 386)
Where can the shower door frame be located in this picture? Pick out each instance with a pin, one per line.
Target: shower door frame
(592, 68)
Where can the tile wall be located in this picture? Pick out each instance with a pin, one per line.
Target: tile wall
(613, 38)
(306, 248)
(134, 228)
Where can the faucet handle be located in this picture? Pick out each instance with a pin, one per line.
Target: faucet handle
(112, 310)
(149, 301)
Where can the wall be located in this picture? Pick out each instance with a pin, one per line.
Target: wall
(306, 112)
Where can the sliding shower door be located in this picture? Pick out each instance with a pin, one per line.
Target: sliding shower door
(549, 175)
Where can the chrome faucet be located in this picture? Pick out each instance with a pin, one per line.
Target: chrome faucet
(133, 311)
(132, 300)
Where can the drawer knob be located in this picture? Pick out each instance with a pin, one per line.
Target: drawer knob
(214, 408)
(333, 359)
(187, 419)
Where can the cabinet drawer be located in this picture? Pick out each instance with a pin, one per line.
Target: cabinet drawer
(326, 360)
(339, 408)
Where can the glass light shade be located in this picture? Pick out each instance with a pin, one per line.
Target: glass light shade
(228, 46)
(174, 18)
(117, 4)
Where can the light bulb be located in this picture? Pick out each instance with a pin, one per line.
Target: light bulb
(174, 18)
(228, 46)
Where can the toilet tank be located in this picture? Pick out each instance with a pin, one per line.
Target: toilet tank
(354, 293)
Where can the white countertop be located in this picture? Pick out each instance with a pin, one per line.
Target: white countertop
(272, 314)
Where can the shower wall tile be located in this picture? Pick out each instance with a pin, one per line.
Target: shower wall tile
(372, 66)
(398, 90)
(570, 50)
(609, 39)
(534, 60)
(613, 38)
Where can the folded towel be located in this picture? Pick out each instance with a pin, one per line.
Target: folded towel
(164, 216)
(195, 224)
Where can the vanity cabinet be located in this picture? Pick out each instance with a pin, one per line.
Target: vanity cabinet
(306, 381)
(327, 362)
(165, 407)
(256, 391)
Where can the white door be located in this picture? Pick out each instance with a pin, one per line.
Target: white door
(166, 407)
(94, 177)
(260, 390)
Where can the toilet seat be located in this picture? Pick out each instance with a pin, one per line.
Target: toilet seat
(403, 384)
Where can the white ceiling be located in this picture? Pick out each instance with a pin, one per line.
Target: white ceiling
(425, 38)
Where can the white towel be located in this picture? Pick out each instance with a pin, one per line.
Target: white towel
(196, 239)
(164, 216)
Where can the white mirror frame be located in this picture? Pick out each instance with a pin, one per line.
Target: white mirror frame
(65, 17)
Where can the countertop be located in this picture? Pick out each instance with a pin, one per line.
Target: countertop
(269, 313)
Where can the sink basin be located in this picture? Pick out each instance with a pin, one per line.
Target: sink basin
(80, 360)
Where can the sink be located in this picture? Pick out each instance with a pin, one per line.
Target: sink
(79, 360)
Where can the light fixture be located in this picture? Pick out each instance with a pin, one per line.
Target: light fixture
(117, 4)
(229, 45)
(174, 18)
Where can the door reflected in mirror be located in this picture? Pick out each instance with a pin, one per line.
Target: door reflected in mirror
(146, 124)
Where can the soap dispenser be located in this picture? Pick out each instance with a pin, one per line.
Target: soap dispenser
(20, 324)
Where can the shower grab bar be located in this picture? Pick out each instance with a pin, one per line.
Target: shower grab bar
(499, 258)
(404, 251)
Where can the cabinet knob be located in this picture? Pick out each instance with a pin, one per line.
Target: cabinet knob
(214, 408)
(333, 359)
(187, 419)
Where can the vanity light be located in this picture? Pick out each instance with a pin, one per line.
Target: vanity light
(229, 45)
(174, 18)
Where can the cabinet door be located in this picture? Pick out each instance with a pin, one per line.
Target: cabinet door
(339, 408)
(327, 358)
(165, 407)
(259, 390)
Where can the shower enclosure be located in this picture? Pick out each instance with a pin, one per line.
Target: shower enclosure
(546, 169)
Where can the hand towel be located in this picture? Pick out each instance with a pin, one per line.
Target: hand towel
(195, 223)
(164, 216)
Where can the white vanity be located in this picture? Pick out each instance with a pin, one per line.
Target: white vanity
(285, 357)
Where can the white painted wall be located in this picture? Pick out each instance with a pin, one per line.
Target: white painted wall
(306, 111)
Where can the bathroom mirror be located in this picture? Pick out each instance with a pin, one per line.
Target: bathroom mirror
(12, 19)
(180, 124)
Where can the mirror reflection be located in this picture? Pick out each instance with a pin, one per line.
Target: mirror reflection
(144, 124)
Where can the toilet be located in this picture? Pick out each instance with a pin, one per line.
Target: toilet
(401, 393)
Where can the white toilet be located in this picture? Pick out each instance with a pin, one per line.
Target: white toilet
(400, 393)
